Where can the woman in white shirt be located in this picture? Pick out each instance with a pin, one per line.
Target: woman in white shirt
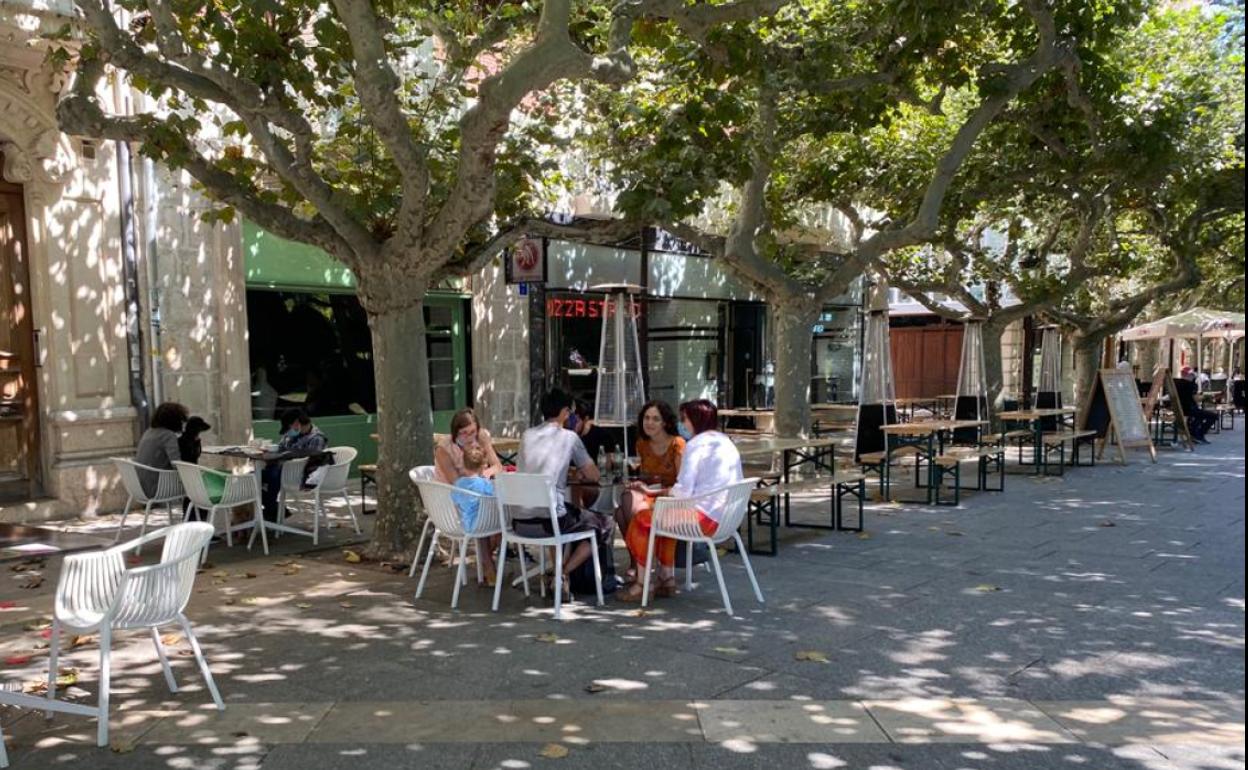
(710, 462)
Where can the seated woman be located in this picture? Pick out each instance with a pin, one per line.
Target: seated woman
(449, 468)
(710, 462)
(158, 446)
(659, 449)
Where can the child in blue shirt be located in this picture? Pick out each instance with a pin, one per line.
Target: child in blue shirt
(475, 461)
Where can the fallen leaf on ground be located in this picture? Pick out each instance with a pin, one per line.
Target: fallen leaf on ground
(987, 588)
(171, 640)
(82, 641)
(27, 566)
(229, 600)
(547, 638)
(123, 745)
(251, 576)
(352, 557)
(38, 625)
(292, 570)
(641, 613)
(303, 605)
(811, 656)
(594, 687)
(553, 751)
(346, 605)
(32, 581)
(284, 563)
(17, 660)
(955, 533)
(251, 601)
(864, 535)
(1108, 523)
(730, 650)
(67, 677)
(221, 574)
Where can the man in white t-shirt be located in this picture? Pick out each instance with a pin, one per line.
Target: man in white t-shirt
(551, 450)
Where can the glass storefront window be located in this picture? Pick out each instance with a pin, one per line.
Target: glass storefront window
(684, 347)
(835, 357)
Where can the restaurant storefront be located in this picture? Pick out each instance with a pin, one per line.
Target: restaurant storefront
(703, 333)
(309, 343)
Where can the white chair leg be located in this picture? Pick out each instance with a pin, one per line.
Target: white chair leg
(172, 516)
(203, 664)
(719, 577)
(258, 520)
(318, 508)
(460, 577)
(688, 565)
(749, 569)
(558, 582)
(541, 571)
(645, 582)
(502, 562)
(424, 575)
(54, 649)
(164, 661)
(229, 526)
(424, 531)
(105, 683)
(147, 512)
(351, 510)
(124, 513)
(597, 571)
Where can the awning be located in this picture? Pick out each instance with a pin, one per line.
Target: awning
(1197, 322)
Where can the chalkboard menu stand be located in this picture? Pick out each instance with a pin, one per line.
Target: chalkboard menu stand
(1114, 411)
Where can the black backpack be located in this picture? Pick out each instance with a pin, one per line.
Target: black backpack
(581, 579)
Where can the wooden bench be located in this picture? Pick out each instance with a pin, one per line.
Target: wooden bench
(765, 502)
(985, 456)
(1058, 440)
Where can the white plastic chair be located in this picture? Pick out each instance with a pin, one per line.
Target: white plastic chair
(240, 489)
(168, 492)
(448, 522)
(332, 483)
(418, 474)
(97, 593)
(678, 519)
(528, 496)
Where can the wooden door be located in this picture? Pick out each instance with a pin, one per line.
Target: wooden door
(925, 360)
(19, 426)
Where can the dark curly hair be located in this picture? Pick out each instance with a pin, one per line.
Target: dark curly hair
(171, 416)
(666, 413)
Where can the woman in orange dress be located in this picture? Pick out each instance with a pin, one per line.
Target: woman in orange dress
(660, 449)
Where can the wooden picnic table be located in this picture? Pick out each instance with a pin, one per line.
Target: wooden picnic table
(819, 452)
(1035, 418)
(927, 439)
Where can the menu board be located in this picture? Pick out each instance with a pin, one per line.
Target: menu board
(1113, 410)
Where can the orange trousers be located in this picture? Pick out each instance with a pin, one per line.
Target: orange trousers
(638, 537)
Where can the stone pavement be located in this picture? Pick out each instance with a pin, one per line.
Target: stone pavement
(1091, 621)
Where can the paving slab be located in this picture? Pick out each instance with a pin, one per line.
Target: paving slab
(1151, 721)
(754, 722)
(931, 720)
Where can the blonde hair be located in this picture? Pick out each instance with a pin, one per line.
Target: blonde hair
(474, 458)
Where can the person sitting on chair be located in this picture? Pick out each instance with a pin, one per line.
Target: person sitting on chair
(302, 439)
(158, 446)
(1199, 420)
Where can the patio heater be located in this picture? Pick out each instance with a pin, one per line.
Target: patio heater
(621, 391)
(972, 398)
(877, 400)
(1049, 389)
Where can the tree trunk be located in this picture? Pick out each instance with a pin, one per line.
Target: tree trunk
(793, 323)
(1087, 353)
(404, 421)
(994, 369)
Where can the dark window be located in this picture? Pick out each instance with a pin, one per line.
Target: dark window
(311, 350)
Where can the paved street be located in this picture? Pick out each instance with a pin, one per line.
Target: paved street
(1091, 621)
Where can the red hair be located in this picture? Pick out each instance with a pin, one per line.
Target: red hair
(702, 415)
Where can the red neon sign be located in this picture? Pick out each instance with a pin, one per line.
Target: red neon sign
(581, 308)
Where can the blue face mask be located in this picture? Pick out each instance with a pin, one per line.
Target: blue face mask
(292, 433)
(684, 432)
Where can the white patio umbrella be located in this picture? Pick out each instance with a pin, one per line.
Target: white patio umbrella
(1198, 323)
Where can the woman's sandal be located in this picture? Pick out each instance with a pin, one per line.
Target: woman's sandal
(633, 593)
(567, 588)
(667, 589)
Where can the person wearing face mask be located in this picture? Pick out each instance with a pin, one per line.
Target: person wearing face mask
(300, 439)
(448, 454)
(659, 451)
(710, 462)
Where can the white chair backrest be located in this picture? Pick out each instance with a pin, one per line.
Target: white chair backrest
(728, 505)
(158, 593)
(193, 482)
(168, 484)
(527, 496)
(335, 478)
(292, 473)
(440, 505)
(422, 473)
